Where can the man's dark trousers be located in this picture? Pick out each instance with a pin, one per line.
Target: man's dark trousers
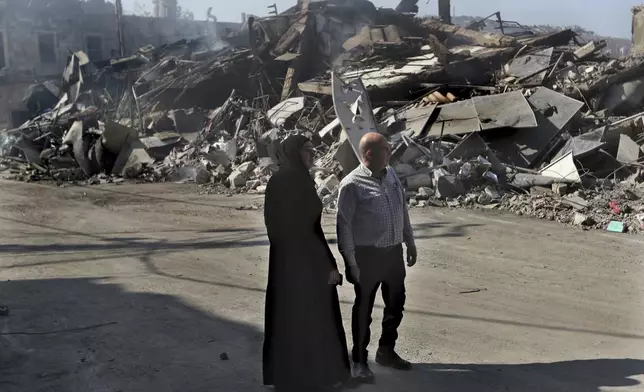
(378, 267)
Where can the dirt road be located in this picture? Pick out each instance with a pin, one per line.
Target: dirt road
(167, 281)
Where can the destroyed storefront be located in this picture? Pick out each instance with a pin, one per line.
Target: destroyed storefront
(543, 125)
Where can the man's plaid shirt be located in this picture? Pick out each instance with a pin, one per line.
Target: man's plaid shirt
(372, 212)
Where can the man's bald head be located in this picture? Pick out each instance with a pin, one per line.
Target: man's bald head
(374, 150)
(370, 141)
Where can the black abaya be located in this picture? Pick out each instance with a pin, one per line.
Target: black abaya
(304, 346)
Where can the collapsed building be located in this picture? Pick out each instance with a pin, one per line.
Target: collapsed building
(37, 38)
(544, 125)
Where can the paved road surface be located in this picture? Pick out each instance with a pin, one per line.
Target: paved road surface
(182, 275)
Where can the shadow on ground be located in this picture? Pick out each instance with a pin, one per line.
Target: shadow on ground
(158, 344)
(569, 376)
(242, 238)
(121, 196)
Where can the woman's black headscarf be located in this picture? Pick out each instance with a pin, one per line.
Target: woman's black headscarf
(289, 153)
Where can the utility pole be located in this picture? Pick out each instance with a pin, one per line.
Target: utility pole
(119, 27)
(274, 9)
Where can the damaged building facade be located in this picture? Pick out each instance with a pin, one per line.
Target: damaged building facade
(37, 38)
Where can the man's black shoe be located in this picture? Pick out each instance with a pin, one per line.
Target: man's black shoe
(362, 373)
(389, 358)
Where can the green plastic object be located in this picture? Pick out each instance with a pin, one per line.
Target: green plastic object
(616, 227)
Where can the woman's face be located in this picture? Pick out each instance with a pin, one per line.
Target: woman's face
(307, 152)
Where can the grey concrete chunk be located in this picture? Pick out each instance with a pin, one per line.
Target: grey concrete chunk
(404, 169)
(246, 167)
(560, 189)
(419, 180)
(449, 187)
(629, 151)
(581, 219)
(237, 179)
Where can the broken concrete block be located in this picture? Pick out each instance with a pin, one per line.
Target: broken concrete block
(246, 167)
(484, 199)
(424, 193)
(203, 176)
(133, 171)
(218, 157)
(323, 192)
(187, 123)
(318, 177)
(237, 179)
(251, 185)
(221, 172)
(418, 180)
(560, 189)
(132, 154)
(261, 189)
(411, 154)
(449, 187)
(266, 167)
(493, 193)
(629, 152)
(404, 169)
(198, 174)
(576, 202)
(116, 135)
(413, 203)
(588, 49)
(540, 190)
(580, 219)
(230, 147)
(331, 182)
(279, 114)
(347, 157)
(74, 133)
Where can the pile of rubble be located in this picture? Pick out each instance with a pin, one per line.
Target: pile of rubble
(542, 125)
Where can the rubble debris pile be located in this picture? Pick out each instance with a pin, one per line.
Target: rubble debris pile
(542, 125)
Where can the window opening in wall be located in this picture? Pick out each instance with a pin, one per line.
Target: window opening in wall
(94, 48)
(47, 48)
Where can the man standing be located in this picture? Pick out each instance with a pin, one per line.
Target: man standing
(372, 224)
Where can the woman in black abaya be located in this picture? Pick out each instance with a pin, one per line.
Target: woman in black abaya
(305, 348)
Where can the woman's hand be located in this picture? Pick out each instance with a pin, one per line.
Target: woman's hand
(335, 278)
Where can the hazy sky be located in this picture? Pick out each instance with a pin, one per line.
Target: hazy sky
(605, 17)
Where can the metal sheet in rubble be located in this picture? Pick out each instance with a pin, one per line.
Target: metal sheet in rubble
(284, 110)
(563, 169)
(484, 113)
(553, 111)
(582, 145)
(509, 110)
(527, 65)
(471, 146)
(557, 109)
(416, 120)
(629, 152)
(456, 119)
(353, 108)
